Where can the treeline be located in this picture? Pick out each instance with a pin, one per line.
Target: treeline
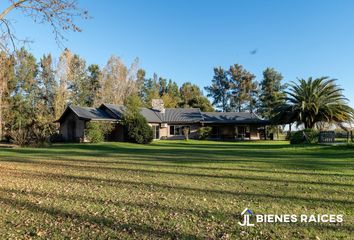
(34, 93)
(236, 89)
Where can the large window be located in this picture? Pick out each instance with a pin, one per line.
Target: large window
(156, 132)
(178, 129)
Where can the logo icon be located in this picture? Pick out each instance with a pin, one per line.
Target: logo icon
(246, 218)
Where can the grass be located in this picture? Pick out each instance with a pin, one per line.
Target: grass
(174, 189)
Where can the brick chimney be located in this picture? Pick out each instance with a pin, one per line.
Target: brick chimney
(158, 105)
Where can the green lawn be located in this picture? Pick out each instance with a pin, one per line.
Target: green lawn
(174, 189)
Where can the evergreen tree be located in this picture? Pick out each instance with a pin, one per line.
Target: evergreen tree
(140, 79)
(192, 96)
(220, 89)
(243, 88)
(49, 84)
(271, 92)
(93, 85)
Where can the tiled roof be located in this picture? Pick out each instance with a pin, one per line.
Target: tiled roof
(232, 117)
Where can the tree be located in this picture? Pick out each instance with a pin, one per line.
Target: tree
(140, 79)
(6, 80)
(30, 119)
(271, 92)
(25, 91)
(62, 97)
(192, 96)
(78, 82)
(219, 90)
(314, 100)
(59, 14)
(138, 129)
(93, 86)
(48, 83)
(151, 90)
(117, 81)
(243, 88)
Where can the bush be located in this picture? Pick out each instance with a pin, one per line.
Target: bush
(138, 130)
(305, 136)
(20, 137)
(34, 135)
(204, 132)
(96, 131)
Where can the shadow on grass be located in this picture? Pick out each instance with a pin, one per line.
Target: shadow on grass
(225, 177)
(146, 206)
(99, 220)
(317, 158)
(199, 191)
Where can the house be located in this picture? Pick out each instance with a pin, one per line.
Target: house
(167, 123)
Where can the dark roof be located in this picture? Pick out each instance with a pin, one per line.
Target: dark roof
(171, 115)
(88, 113)
(150, 115)
(118, 111)
(111, 112)
(180, 115)
(232, 117)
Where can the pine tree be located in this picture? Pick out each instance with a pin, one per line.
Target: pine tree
(243, 88)
(220, 90)
(271, 92)
(93, 86)
(48, 83)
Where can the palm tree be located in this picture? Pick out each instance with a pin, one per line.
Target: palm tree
(314, 100)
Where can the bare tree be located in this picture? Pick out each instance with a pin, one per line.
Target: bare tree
(59, 14)
(117, 81)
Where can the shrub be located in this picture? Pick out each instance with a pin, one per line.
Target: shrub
(138, 129)
(35, 135)
(204, 132)
(96, 131)
(304, 136)
(20, 137)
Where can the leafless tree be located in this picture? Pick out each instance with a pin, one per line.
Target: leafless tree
(59, 14)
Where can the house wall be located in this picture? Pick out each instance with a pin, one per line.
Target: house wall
(229, 131)
(254, 132)
(165, 132)
(70, 121)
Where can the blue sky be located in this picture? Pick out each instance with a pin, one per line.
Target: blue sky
(184, 40)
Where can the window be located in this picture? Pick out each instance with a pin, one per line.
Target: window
(178, 129)
(156, 132)
(172, 130)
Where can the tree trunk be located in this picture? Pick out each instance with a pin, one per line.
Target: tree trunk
(1, 121)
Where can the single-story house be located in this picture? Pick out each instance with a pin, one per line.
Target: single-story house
(167, 123)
